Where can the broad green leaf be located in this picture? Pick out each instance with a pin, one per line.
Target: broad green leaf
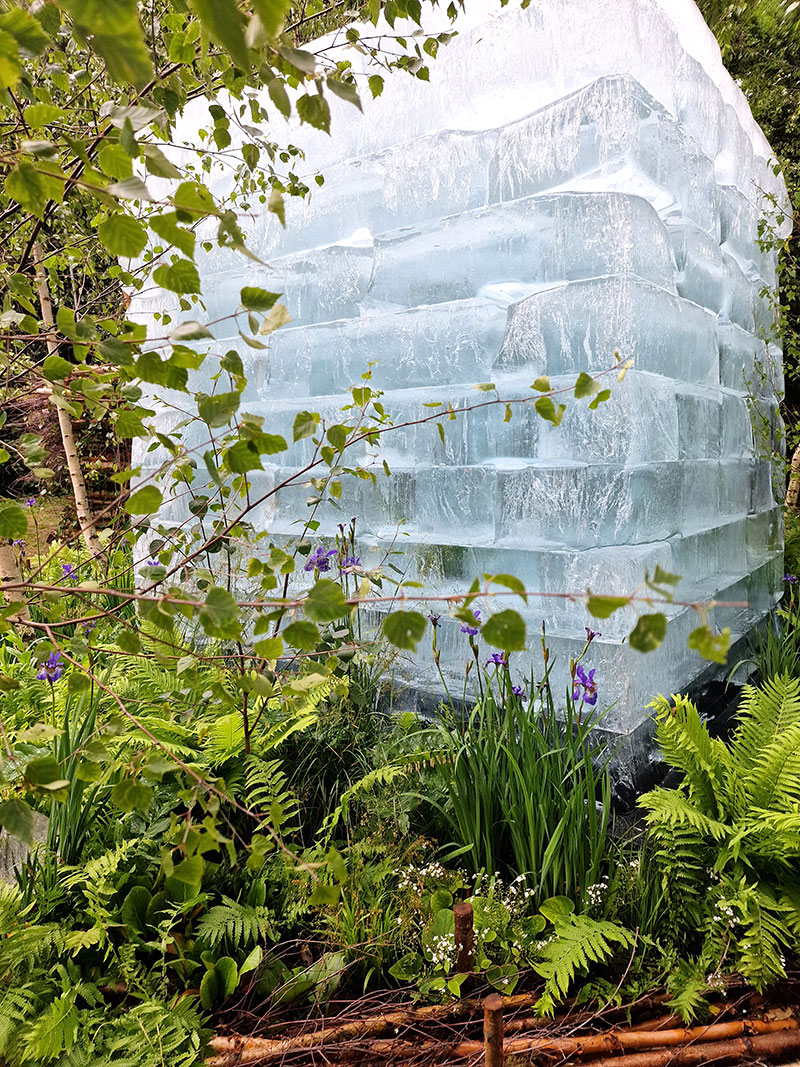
(190, 872)
(313, 109)
(272, 14)
(505, 630)
(17, 818)
(375, 85)
(252, 960)
(585, 385)
(257, 299)
(219, 615)
(510, 582)
(132, 795)
(276, 318)
(301, 634)
(122, 235)
(547, 409)
(649, 632)
(190, 331)
(242, 457)
(166, 227)
(180, 276)
(662, 577)
(344, 90)
(26, 30)
(193, 201)
(279, 97)
(13, 521)
(602, 396)
(24, 185)
(115, 162)
(325, 602)
(272, 647)
(45, 771)
(130, 189)
(404, 629)
(10, 66)
(112, 29)
(557, 908)
(304, 61)
(224, 23)
(542, 384)
(157, 163)
(144, 501)
(38, 115)
(55, 368)
(604, 606)
(305, 424)
(217, 410)
(711, 646)
(324, 895)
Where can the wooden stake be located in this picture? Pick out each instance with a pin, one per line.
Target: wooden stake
(463, 918)
(83, 511)
(493, 1030)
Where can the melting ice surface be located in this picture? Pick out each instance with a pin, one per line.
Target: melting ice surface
(580, 179)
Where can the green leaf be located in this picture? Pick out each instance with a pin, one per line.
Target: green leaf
(345, 90)
(375, 85)
(26, 30)
(145, 501)
(166, 227)
(10, 66)
(219, 615)
(13, 521)
(122, 235)
(112, 28)
(602, 396)
(557, 908)
(313, 109)
(17, 818)
(662, 577)
(276, 318)
(303, 61)
(55, 368)
(218, 410)
(38, 115)
(505, 630)
(279, 97)
(180, 276)
(190, 872)
(272, 14)
(132, 795)
(585, 385)
(25, 186)
(158, 164)
(271, 647)
(301, 634)
(510, 582)
(711, 646)
(223, 22)
(193, 201)
(242, 457)
(305, 424)
(134, 908)
(604, 606)
(547, 409)
(210, 990)
(257, 299)
(324, 895)
(115, 161)
(252, 960)
(325, 602)
(404, 629)
(130, 189)
(649, 632)
(542, 384)
(190, 331)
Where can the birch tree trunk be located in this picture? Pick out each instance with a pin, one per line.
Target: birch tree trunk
(793, 489)
(82, 508)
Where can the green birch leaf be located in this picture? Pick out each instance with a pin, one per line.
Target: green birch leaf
(180, 276)
(145, 501)
(325, 602)
(404, 629)
(505, 630)
(649, 632)
(17, 818)
(711, 646)
(122, 235)
(224, 23)
(313, 109)
(112, 29)
(13, 521)
(604, 606)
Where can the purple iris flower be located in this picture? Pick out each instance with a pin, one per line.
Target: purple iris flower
(518, 691)
(320, 559)
(587, 682)
(471, 630)
(591, 634)
(51, 668)
(433, 618)
(791, 578)
(19, 544)
(349, 561)
(497, 659)
(68, 571)
(30, 502)
(87, 627)
(152, 562)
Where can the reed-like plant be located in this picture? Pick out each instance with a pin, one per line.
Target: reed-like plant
(524, 791)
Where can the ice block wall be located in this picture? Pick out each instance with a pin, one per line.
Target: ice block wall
(581, 181)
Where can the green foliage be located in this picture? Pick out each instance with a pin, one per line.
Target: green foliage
(727, 837)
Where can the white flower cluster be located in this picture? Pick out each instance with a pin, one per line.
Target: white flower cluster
(441, 949)
(595, 894)
(723, 913)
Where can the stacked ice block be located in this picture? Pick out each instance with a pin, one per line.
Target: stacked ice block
(581, 182)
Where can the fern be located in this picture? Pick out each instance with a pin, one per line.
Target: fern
(153, 1034)
(266, 785)
(18, 1006)
(687, 985)
(241, 924)
(577, 942)
(55, 1030)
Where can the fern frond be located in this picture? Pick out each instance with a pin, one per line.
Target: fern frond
(19, 1005)
(241, 924)
(266, 784)
(378, 776)
(576, 943)
(687, 745)
(30, 945)
(54, 1032)
(765, 712)
(153, 1034)
(688, 985)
